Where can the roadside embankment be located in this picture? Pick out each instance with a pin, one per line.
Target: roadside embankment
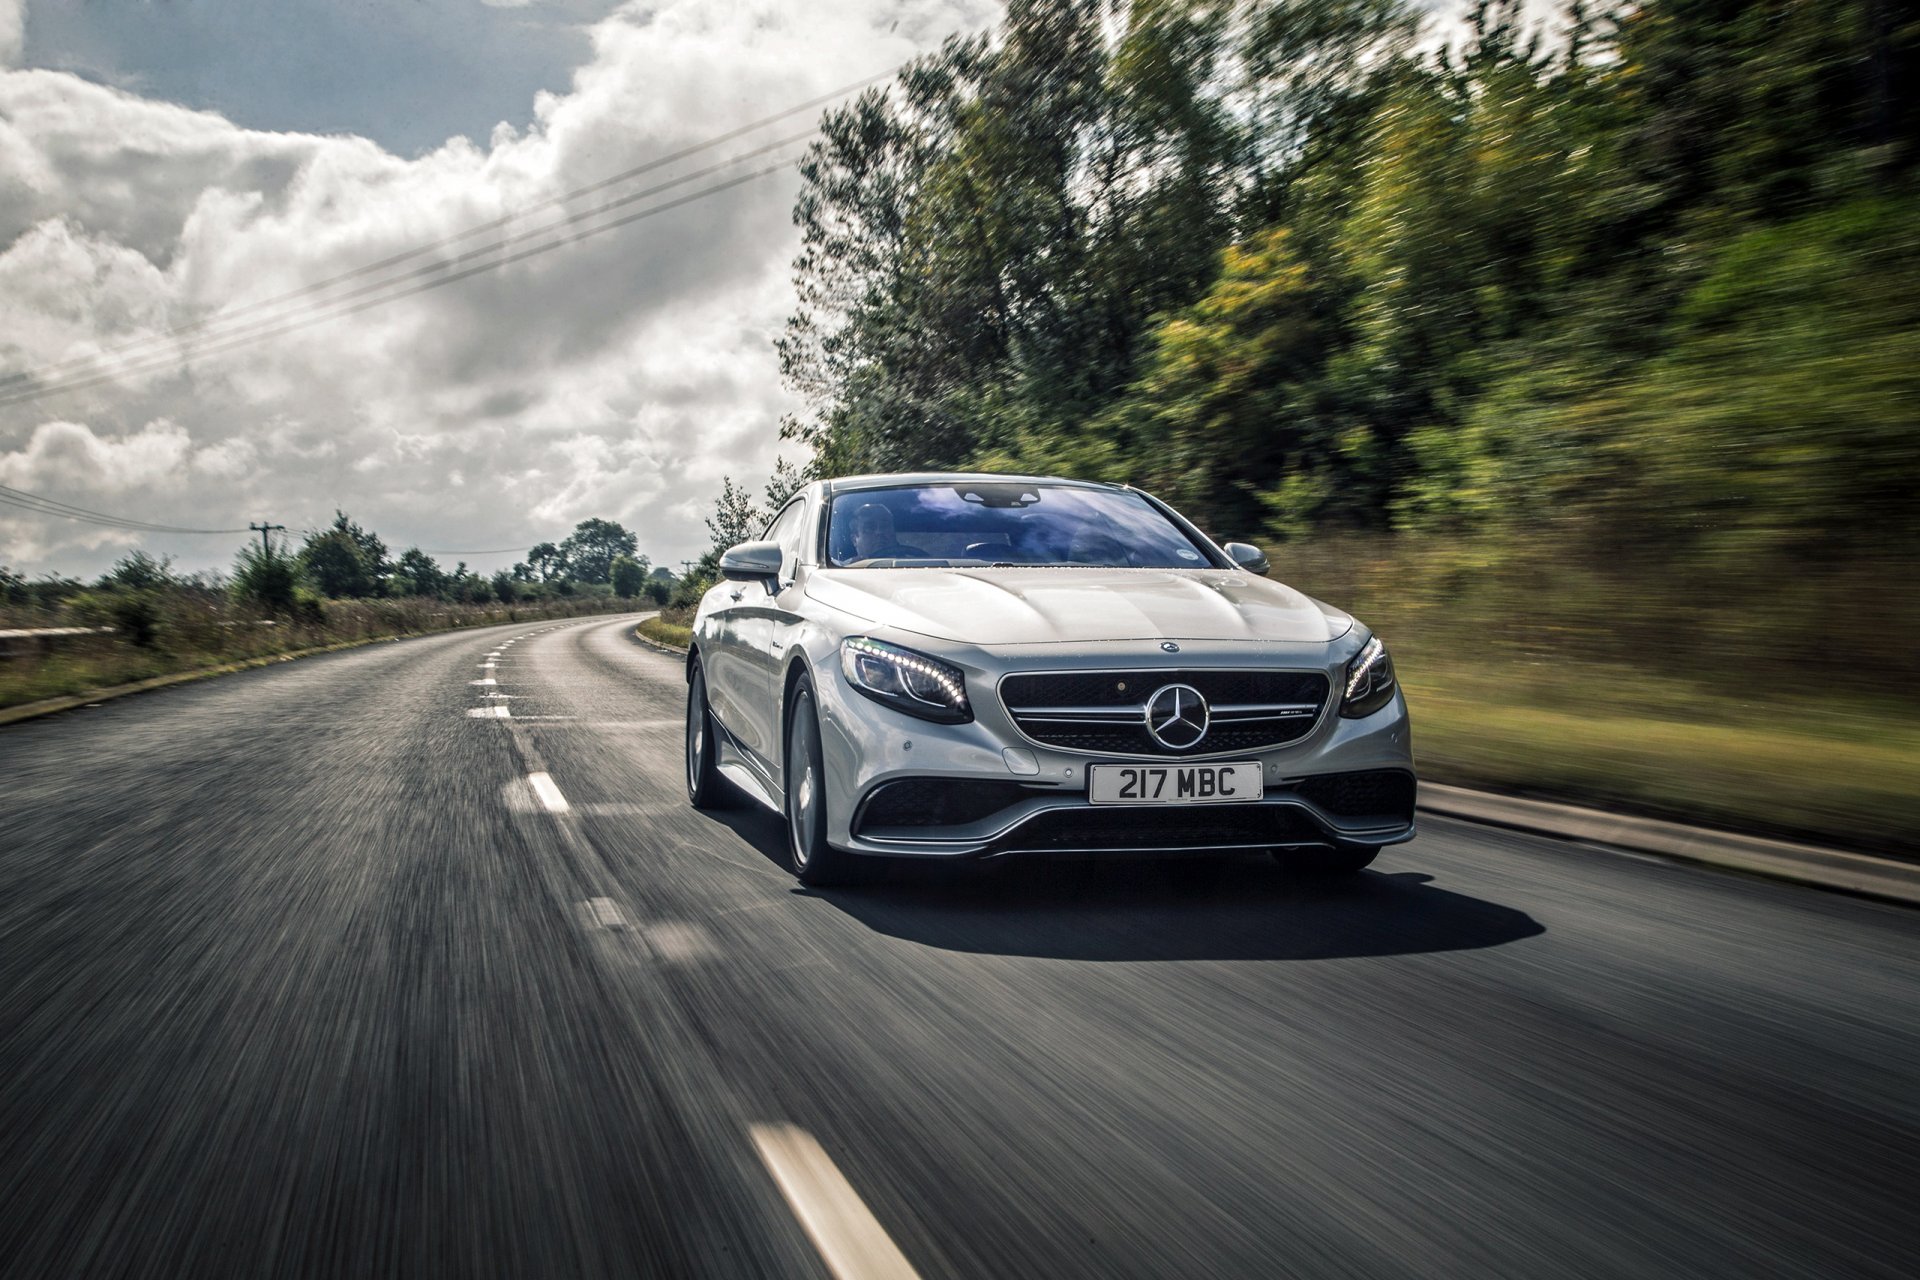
(672, 628)
(189, 639)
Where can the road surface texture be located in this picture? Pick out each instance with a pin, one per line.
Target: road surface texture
(333, 969)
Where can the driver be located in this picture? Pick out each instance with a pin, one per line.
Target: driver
(874, 537)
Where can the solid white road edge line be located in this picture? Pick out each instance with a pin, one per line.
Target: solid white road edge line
(850, 1239)
(549, 792)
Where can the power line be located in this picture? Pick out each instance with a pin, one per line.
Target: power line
(496, 551)
(227, 316)
(21, 499)
(277, 326)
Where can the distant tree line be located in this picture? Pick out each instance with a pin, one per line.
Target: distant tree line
(345, 561)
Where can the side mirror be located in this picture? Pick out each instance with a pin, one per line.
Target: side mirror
(751, 562)
(1248, 557)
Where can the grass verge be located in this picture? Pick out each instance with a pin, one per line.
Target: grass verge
(1848, 780)
(673, 628)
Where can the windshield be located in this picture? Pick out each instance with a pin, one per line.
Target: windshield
(1005, 523)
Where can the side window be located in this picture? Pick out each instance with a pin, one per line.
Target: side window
(786, 530)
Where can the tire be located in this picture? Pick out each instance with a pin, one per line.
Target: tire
(1327, 862)
(815, 862)
(706, 789)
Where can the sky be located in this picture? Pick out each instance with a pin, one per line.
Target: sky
(163, 159)
(160, 160)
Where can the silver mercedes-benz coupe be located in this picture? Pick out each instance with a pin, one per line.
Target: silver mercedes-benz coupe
(977, 666)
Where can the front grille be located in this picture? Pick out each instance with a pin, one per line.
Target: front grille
(1105, 711)
(1169, 829)
(938, 802)
(1371, 793)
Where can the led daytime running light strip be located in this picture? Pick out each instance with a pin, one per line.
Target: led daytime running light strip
(1361, 677)
(886, 653)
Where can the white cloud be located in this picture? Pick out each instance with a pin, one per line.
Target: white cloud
(13, 30)
(620, 376)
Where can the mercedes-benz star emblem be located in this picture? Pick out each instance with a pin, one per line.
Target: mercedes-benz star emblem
(1168, 646)
(1177, 716)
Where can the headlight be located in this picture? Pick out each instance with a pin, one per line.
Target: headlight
(905, 680)
(1369, 681)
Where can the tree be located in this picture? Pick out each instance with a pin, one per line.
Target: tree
(546, 560)
(735, 519)
(785, 481)
(344, 559)
(421, 573)
(505, 587)
(590, 550)
(138, 571)
(628, 576)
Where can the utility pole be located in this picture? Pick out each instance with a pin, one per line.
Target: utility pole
(686, 567)
(263, 528)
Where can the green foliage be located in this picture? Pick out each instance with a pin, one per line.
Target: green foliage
(1643, 288)
(735, 519)
(505, 588)
(138, 571)
(418, 574)
(544, 562)
(132, 612)
(266, 578)
(345, 560)
(590, 550)
(628, 577)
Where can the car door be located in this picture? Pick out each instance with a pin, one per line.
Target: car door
(732, 685)
(796, 559)
(759, 614)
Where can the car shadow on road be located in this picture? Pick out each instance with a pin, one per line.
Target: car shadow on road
(1236, 909)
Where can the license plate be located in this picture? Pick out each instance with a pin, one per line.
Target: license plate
(1175, 783)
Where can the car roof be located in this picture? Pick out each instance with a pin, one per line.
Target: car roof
(908, 479)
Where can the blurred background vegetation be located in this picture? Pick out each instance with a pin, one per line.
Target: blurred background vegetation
(1579, 358)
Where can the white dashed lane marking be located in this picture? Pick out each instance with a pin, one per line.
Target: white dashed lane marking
(602, 913)
(549, 792)
(850, 1239)
(485, 680)
(497, 711)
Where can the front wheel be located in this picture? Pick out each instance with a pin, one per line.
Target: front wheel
(706, 789)
(815, 862)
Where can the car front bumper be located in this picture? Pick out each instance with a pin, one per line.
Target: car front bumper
(1046, 809)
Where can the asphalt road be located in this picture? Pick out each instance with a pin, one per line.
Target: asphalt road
(302, 972)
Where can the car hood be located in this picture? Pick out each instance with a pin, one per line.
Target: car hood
(1048, 606)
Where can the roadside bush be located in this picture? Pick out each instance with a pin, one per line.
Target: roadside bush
(688, 590)
(267, 579)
